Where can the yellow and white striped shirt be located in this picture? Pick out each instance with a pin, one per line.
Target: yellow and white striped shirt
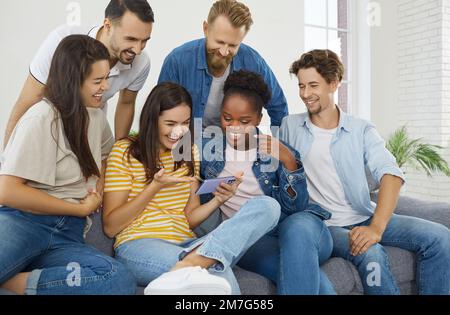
(164, 216)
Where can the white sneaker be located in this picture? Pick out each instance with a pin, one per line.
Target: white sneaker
(188, 281)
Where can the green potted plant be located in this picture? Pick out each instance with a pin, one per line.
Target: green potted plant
(416, 153)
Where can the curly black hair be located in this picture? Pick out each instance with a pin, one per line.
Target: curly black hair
(249, 85)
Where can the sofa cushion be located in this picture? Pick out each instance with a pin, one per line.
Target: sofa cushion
(346, 280)
(342, 274)
(438, 212)
(253, 284)
(97, 238)
(402, 263)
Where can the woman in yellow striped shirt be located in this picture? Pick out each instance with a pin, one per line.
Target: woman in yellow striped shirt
(150, 205)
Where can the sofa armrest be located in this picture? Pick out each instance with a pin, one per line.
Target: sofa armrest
(438, 212)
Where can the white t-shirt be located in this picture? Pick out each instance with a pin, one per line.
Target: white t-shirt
(237, 161)
(131, 77)
(39, 152)
(324, 185)
(211, 116)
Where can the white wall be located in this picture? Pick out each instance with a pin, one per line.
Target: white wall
(24, 24)
(384, 83)
(411, 79)
(277, 34)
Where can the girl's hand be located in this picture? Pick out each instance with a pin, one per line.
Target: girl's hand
(225, 191)
(96, 184)
(89, 204)
(162, 180)
(273, 147)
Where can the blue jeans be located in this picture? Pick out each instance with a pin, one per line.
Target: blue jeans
(428, 240)
(291, 255)
(52, 248)
(149, 258)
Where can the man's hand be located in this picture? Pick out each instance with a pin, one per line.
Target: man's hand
(361, 238)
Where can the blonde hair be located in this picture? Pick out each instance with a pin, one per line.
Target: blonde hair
(237, 13)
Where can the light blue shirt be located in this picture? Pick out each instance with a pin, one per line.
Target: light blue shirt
(355, 147)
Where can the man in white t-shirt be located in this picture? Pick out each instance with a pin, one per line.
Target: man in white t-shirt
(125, 31)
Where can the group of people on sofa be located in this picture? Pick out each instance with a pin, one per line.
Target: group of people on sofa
(298, 197)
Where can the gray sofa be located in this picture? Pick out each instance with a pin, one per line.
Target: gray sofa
(341, 273)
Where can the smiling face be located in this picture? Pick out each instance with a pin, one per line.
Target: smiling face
(222, 43)
(239, 120)
(95, 84)
(315, 91)
(173, 124)
(127, 37)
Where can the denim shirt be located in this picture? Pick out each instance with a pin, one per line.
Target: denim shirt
(187, 66)
(355, 147)
(273, 178)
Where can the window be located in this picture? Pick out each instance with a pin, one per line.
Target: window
(327, 26)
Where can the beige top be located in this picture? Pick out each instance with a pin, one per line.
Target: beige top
(39, 152)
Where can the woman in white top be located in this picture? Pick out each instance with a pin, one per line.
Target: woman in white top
(49, 177)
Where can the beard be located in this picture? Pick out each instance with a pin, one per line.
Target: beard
(315, 112)
(217, 64)
(121, 54)
(123, 57)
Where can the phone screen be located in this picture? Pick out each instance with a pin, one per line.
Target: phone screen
(210, 185)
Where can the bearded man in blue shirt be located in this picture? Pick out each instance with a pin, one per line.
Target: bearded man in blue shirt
(203, 65)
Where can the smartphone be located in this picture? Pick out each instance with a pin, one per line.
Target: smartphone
(209, 185)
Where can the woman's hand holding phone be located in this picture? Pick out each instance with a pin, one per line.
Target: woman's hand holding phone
(225, 191)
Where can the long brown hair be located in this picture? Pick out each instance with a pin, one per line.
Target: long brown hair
(146, 145)
(71, 65)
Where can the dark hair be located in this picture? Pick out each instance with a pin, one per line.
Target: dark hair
(117, 8)
(70, 66)
(145, 146)
(249, 85)
(325, 61)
